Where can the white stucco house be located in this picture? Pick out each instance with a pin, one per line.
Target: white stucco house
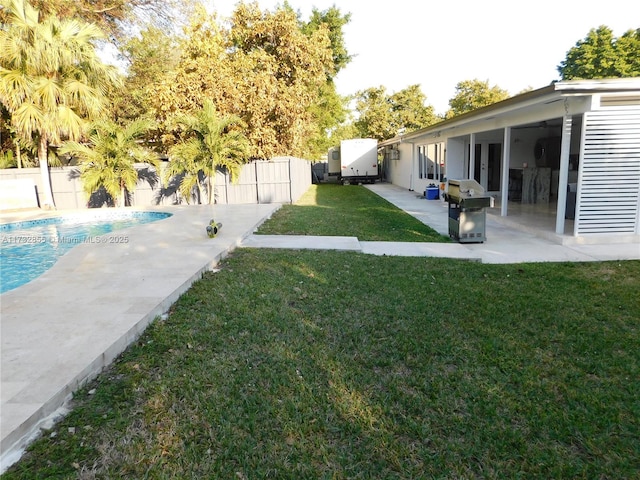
(568, 153)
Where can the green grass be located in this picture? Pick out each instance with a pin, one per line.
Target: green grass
(306, 364)
(348, 210)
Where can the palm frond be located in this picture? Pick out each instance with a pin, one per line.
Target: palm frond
(211, 142)
(15, 86)
(109, 162)
(27, 118)
(188, 183)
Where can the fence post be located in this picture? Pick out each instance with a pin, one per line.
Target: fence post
(290, 184)
(257, 184)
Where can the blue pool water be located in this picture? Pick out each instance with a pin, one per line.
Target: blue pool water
(30, 248)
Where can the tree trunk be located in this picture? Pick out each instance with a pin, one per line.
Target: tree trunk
(18, 155)
(44, 173)
(199, 192)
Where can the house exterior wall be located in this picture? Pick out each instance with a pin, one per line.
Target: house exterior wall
(400, 171)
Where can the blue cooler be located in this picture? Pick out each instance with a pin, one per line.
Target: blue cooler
(432, 193)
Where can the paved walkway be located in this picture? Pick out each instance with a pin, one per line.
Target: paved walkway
(63, 328)
(504, 244)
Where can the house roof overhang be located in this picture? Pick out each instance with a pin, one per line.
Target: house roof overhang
(533, 99)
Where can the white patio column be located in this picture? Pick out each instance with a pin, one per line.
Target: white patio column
(563, 177)
(504, 181)
(472, 156)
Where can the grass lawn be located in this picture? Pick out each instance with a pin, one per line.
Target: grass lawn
(348, 210)
(306, 364)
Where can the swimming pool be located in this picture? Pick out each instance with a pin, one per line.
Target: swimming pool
(30, 248)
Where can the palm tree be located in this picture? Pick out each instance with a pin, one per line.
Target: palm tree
(109, 162)
(211, 142)
(51, 79)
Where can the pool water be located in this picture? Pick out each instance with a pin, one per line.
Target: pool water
(30, 248)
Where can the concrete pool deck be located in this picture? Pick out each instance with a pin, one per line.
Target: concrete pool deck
(63, 328)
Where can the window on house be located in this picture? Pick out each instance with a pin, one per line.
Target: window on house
(477, 163)
(442, 161)
(431, 165)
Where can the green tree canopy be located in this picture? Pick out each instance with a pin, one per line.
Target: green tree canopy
(261, 67)
(152, 57)
(279, 71)
(201, 71)
(473, 94)
(383, 116)
(330, 110)
(410, 109)
(601, 55)
(374, 114)
(334, 21)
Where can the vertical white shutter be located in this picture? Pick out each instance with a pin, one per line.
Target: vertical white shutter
(609, 185)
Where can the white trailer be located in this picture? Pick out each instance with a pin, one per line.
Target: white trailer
(358, 160)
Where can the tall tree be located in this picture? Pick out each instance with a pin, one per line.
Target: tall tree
(260, 67)
(384, 116)
(109, 160)
(473, 94)
(51, 78)
(151, 59)
(210, 142)
(375, 114)
(334, 21)
(280, 71)
(601, 55)
(201, 71)
(410, 110)
(330, 111)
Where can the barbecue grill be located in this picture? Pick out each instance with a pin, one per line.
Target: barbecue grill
(467, 216)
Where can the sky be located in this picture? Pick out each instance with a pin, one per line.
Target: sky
(512, 44)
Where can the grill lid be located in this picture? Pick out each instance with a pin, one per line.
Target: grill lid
(468, 193)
